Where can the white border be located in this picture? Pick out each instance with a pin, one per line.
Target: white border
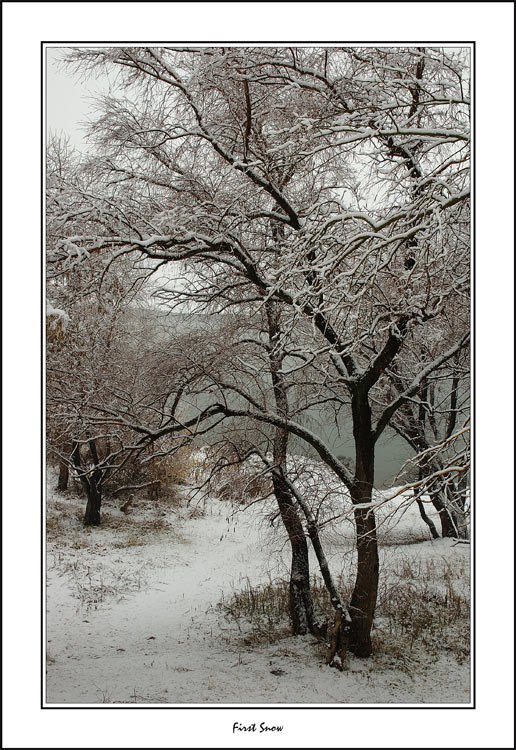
(25, 25)
(65, 45)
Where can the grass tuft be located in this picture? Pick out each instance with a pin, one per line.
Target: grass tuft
(422, 612)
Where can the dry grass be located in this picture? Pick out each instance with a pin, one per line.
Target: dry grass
(422, 612)
(80, 553)
(173, 470)
(424, 604)
(261, 612)
(264, 608)
(96, 584)
(196, 511)
(243, 487)
(145, 521)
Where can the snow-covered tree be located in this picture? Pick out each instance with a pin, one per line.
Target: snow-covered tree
(329, 184)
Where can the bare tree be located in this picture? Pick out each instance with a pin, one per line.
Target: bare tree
(430, 423)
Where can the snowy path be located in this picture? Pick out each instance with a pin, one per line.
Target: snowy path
(162, 645)
(158, 637)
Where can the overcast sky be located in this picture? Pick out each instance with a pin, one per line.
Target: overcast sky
(68, 98)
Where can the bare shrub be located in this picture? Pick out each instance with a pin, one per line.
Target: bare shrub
(196, 512)
(233, 477)
(243, 487)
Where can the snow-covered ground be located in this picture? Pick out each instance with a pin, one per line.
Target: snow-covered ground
(131, 613)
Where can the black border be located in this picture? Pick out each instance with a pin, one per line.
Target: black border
(242, 706)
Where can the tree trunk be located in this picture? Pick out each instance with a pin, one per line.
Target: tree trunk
(448, 527)
(421, 506)
(427, 520)
(301, 606)
(92, 513)
(337, 636)
(313, 533)
(455, 504)
(64, 473)
(462, 495)
(91, 483)
(363, 600)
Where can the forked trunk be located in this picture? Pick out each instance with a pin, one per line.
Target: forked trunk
(448, 527)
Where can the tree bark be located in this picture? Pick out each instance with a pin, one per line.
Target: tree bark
(448, 527)
(363, 599)
(92, 513)
(92, 485)
(301, 605)
(426, 519)
(313, 533)
(338, 635)
(64, 473)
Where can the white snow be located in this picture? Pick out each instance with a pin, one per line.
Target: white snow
(131, 614)
(55, 312)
